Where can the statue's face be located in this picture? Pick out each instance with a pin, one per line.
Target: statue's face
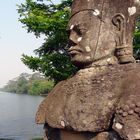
(86, 44)
(99, 30)
(80, 48)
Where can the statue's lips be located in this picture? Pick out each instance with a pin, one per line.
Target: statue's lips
(73, 51)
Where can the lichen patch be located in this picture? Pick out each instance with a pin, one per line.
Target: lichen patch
(132, 10)
(118, 126)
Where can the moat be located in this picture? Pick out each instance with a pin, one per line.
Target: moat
(17, 113)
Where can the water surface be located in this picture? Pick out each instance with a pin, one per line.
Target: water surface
(17, 116)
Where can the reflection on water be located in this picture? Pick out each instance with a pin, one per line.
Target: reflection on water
(17, 113)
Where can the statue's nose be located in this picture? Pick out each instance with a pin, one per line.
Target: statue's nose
(74, 37)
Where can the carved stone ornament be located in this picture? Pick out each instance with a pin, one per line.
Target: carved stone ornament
(101, 101)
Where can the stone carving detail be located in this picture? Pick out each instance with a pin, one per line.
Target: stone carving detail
(124, 52)
(129, 109)
(101, 101)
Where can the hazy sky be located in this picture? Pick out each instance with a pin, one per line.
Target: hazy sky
(14, 41)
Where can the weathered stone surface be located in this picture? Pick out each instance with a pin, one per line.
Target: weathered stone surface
(88, 100)
(130, 123)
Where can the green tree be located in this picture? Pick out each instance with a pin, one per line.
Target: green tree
(18, 85)
(10, 87)
(137, 40)
(21, 87)
(49, 19)
(34, 84)
(46, 18)
(39, 87)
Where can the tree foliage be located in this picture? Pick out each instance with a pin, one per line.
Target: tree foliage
(46, 18)
(29, 84)
(49, 19)
(137, 40)
(39, 87)
(21, 85)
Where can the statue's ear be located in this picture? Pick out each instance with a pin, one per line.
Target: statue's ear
(124, 51)
(119, 23)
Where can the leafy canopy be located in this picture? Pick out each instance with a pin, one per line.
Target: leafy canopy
(43, 17)
(46, 18)
(136, 41)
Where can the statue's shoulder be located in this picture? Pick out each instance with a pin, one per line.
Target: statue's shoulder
(75, 102)
(54, 97)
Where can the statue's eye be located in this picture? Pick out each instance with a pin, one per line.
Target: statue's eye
(76, 29)
(80, 29)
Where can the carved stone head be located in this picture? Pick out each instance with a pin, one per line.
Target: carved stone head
(101, 31)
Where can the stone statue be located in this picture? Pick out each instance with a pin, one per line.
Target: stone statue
(102, 100)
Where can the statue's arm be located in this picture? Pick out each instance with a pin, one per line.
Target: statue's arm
(127, 117)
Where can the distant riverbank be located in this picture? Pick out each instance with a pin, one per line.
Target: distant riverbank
(31, 84)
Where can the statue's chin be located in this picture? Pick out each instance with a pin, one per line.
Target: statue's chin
(81, 63)
(81, 60)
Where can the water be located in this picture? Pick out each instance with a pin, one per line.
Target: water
(17, 116)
